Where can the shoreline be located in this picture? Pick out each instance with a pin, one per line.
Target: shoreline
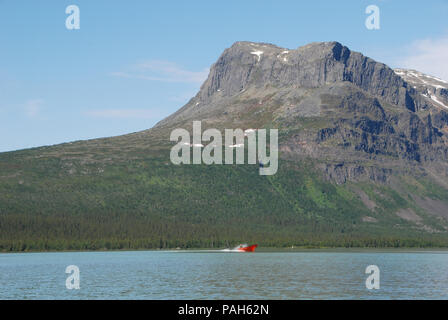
(259, 250)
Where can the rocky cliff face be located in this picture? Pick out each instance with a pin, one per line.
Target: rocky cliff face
(311, 66)
(330, 103)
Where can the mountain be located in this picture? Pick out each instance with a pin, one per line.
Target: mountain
(340, 104)
(363, 162)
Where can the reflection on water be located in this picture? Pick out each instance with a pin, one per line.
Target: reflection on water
(212, 275)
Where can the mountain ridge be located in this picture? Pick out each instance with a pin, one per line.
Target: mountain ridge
(325, 62)
(396, 118)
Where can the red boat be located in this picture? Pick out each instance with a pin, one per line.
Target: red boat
(245, 248)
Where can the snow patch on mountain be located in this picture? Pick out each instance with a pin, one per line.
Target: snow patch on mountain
(417, 78)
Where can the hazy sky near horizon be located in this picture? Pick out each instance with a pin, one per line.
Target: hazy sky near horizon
(132, 63)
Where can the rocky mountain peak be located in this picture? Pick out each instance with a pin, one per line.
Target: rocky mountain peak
(329, 103)
(310, 66)
(255, 66)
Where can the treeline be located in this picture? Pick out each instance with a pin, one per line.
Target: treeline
(26, 245)
(151, 204)
(22, 233)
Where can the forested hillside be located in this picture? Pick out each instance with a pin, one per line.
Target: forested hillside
(363, 162)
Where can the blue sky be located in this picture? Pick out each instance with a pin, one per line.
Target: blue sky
(134, 62)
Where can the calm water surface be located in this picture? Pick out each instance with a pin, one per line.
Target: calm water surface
(213, 275)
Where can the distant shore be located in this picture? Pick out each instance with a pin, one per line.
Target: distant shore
(259, 250)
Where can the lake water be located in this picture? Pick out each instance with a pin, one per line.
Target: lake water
(213, 275)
